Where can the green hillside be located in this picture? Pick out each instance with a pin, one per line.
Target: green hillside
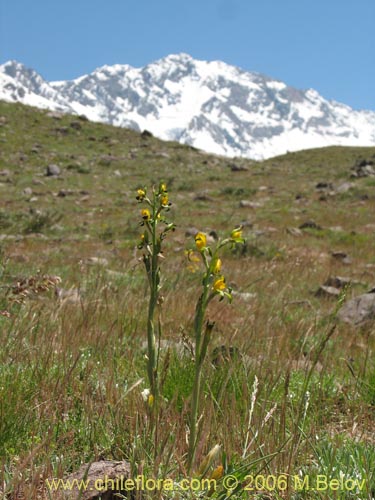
(67, 366)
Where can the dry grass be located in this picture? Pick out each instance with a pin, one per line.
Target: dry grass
(71, 371)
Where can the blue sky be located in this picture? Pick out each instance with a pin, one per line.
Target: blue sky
(328, 45)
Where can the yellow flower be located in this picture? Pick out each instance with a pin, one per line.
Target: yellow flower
(163, 187)
(151, 400)
(146, 214)
(219, 284)
(141, 193)
(217, 473)
(236, 233)
(164, 200)
(200, 241)
(216, 268)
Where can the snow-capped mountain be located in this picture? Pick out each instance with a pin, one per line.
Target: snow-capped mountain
(211, 105)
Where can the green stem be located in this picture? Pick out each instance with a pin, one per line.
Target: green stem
(198, 327)
(151, 366)
(154, 294)
(194, 415)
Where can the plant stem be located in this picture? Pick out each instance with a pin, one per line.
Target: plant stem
(154, 292)
(198, 327)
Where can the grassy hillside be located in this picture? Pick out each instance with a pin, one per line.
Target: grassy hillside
(68, 367)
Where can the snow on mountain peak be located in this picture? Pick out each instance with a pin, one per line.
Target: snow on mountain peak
(211, 105)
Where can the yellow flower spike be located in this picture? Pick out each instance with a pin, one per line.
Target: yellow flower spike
(236, 233)
(146, 215)
(217, 473)
(151, 400)
(216, 268)
(219, 284)
(164, 200)
(163, 187)
(141, 193)
(200, 241)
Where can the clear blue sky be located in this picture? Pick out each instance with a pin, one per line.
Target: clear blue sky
(328, 45)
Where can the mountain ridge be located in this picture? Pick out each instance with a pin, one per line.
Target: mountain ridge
(213, 106)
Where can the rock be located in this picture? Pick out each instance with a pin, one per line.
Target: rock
(62, 130)
(117, 173)
(337, 281)
(5, 173)
(104, 474)
(163, 154)
(53, 170)
(247, 223)
(324, 186)
(36, 148)
(345, 187)
(202, 197)
(250, 204)
(106, 160)
(359, 310)
(237, 168)
(191, 232)
(28, 191)
(342, 256)
(213, 234)
(327, 291)
(294, 231)
(210, 239)
(58, 228)
(38, 182)
(363, 168)
(75, 125)
(310, 224)
(339, 255)
(65, 192)
(55, 115)
(146, 134)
